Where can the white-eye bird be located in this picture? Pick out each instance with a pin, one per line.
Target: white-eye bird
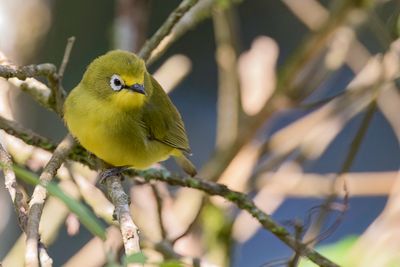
(120, 113)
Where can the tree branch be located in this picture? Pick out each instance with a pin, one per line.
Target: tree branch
(20, 205)
(129, 230)
(166, 28)
(22, 78)
(67, 54)
(17, 197)
(38, 197)
(29, 71)
(243, 202)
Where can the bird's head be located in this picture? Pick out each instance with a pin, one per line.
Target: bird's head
(120, 77)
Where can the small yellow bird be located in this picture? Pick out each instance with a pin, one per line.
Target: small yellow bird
(120, 113)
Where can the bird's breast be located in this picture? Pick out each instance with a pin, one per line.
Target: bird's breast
(114, 135)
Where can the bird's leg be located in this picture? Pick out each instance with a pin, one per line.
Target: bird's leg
(115, 171)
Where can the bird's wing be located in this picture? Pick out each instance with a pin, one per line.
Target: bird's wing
(163, 121)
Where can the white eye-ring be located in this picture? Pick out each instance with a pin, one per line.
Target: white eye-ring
(116, 82)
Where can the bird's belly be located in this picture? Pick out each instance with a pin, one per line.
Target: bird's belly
(116, 145)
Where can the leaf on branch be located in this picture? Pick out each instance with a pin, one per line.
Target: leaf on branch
(135, 258)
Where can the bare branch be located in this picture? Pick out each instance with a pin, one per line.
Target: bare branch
(129, 230)
(29, 71)
(166, 28)
(67, 54)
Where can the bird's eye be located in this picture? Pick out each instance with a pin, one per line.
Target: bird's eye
(116, 83)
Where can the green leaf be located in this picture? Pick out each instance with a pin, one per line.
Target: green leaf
(85, 215)
(171, 263)
(135, 258)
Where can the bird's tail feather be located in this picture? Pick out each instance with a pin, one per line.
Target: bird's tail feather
(185, 164)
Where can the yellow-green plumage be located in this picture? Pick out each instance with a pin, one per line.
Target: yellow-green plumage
(124, 127)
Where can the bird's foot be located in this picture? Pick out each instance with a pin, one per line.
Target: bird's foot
(116, 171)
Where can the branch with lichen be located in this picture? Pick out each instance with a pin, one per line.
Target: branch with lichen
(243, 202)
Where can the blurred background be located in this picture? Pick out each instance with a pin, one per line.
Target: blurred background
(323, 158)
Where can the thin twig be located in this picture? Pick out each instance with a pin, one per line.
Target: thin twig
(201, 11)
(243, 202)
(166, 28)
(59, 93)
(38, 198)
(67, 53)
(312, 234)
(129, 230)
(299, 228)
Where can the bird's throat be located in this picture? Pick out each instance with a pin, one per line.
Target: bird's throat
(128, 99)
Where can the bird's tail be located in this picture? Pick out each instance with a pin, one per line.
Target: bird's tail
(185, 163)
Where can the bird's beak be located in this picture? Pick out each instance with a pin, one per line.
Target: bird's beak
(138, 88)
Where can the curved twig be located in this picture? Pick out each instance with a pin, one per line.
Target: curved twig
(166, 28)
